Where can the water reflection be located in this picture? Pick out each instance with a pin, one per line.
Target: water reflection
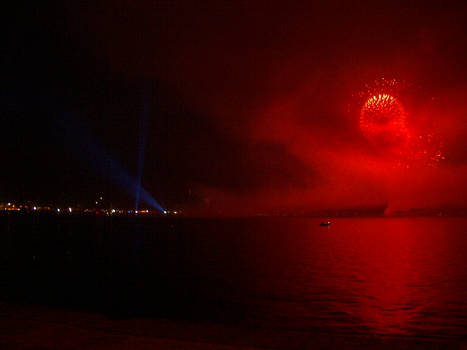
(377, 276)
(393, 276)
(384, 276)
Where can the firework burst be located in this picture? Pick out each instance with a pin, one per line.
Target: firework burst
(383, 116)
(392, 128)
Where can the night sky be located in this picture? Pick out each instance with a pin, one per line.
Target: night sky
(246, 107)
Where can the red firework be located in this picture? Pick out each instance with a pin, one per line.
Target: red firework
(387, 125)
(383, 119)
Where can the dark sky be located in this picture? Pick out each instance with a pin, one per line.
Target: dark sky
(249, 106)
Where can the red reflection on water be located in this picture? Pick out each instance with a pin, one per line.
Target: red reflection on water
(396, 272)
(385, 271)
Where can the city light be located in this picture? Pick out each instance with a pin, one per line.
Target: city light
(29, 207)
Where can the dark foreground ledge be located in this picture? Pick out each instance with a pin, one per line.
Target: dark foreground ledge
(40, 327)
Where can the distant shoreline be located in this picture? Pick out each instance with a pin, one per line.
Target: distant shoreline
(461, 213)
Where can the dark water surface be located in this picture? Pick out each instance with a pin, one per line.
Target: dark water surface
(391, 276)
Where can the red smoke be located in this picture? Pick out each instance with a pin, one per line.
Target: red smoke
(394, 161)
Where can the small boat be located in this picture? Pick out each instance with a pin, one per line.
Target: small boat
(325, 223)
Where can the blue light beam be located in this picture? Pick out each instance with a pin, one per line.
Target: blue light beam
(104, 163)
(143, 123)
